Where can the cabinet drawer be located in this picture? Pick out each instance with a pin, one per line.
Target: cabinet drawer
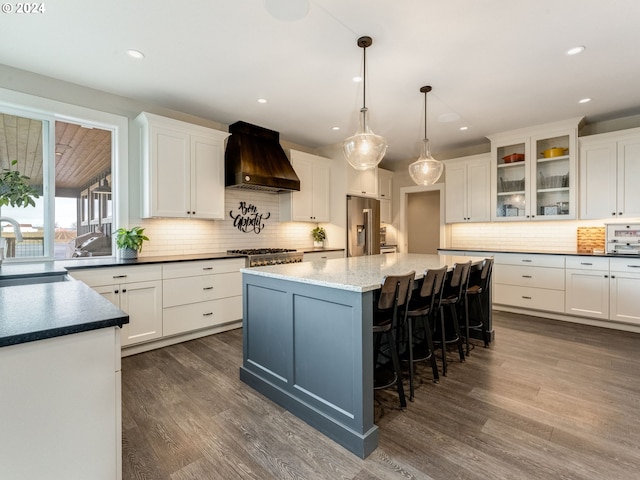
(186, 318)
(180, 291)
(589, 263)
(629, 265)
(201, 267)
(311, 256)
(554, 261)
(539, 277)
(95, 277)
(526, 297)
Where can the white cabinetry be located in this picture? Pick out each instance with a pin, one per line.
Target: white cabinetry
(201, 294)
(587, 287)
(363, 183)
(137, 290)
(312, 202)
(182, 169)
(528, 181)
(468, 189)
(385, 193)
(529, 281)
(609, 173)
(624, 290)
(61, 410)
(312, 256)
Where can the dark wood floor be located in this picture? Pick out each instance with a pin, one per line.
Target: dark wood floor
(548, 400)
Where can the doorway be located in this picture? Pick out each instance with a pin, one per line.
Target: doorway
(422, 219)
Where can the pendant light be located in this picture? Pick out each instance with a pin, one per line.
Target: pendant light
(365, 149)
(426, 170)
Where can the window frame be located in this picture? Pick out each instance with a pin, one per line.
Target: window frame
(16, 103)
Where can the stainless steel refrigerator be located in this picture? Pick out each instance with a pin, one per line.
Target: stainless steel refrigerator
(363, 226)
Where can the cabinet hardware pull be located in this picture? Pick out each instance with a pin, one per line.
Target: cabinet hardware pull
(606, 276)
(207, 268)
(633, 266)
(207, 314)
(585, 263)
(613, 276)
(527, 261)
(124, 290)
(117, 291)
(526, 298)
(527, 276)
(119, 276)
(207, 288)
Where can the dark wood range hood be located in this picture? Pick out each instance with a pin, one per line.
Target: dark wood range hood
(254, 160)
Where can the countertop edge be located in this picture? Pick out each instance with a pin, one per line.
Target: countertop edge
(531, 252)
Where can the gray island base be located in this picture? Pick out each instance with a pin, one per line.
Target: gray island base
(308, 342)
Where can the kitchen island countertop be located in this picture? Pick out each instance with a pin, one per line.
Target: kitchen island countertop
(358, 274)
(524, 251)
(46, 310)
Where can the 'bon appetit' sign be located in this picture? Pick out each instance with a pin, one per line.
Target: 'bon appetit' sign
(248, 219)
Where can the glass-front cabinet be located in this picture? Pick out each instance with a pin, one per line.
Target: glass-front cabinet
(534, 173)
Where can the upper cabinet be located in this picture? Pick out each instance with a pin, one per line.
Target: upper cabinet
(609, 173)
(363, 183)
(182, 169)
(467, 189)
(312, 202)
(385, 192)
(533, 173)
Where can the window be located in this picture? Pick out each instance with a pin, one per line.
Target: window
(77, 160)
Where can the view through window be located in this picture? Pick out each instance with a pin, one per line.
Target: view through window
(80, 188)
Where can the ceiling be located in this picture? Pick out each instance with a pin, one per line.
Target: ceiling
(495, 65)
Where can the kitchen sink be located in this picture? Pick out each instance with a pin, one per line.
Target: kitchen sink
(33, 279)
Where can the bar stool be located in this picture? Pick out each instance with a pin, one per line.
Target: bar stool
(479, 291)
(453, 297)
(422, 305)
(388, 314)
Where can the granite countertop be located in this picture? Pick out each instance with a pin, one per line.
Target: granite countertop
(47, 310)
(39, 269)
(358, 274)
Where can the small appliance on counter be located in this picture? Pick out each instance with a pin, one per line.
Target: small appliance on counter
(623, 238)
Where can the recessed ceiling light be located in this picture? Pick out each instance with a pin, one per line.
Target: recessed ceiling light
(262, 100)
(575, 50)
(357, 78)
(335, 129)
(464, 128)
(135, 54)
(584, 100)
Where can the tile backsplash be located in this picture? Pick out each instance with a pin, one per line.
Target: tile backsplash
(557, 236)
(188, 236)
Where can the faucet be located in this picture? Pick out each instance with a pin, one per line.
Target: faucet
(16, 231)
(16, 227)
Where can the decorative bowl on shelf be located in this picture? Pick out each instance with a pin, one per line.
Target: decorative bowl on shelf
(514, 157)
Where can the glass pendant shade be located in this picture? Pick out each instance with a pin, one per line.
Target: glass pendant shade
(426, 170)
(365, 149)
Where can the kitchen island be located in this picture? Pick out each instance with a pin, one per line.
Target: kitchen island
(60, 407)
(308, 341)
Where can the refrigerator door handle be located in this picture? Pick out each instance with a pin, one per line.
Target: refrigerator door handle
(368, 221)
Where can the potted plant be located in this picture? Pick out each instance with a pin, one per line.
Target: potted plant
(129, 242)
(319, 236)
(15, 191)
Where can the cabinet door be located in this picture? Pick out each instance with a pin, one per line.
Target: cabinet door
(478, 175)
(385, 184)
(587, 293)
(598, 188)
(362, 182)
(510, 179)
(170, 172)
(624, 300)
(321, 192)
(302, 201)
(207, 178)
(455, 193)
(143, 302)
(386, 215)
(628, 198)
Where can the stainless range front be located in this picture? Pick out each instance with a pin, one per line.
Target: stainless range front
(259, 257)
(623, 238)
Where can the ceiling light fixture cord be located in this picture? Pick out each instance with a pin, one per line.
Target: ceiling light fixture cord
(426, 170)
